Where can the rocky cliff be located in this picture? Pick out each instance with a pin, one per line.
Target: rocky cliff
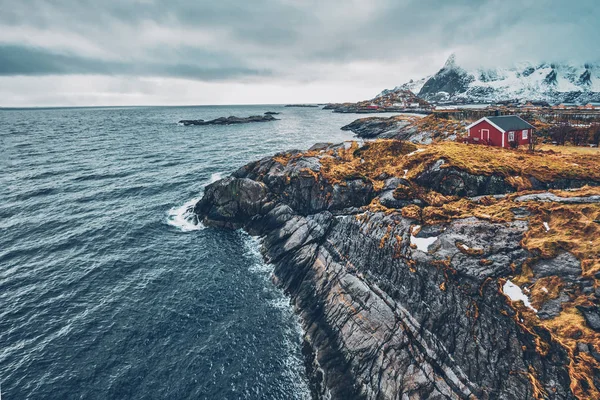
(442, 272)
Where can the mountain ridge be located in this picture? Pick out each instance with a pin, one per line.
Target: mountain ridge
(552, 82)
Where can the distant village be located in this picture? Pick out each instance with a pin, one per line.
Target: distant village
(565, 123)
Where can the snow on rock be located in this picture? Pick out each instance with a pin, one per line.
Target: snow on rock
(515, 293)
(422, 243)
(546, 226)
(551, 82)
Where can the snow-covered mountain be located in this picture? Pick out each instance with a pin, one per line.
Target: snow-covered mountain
(551, 82)
(412, 85)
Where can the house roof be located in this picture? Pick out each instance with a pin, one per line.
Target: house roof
(510, 123)
(505, 123)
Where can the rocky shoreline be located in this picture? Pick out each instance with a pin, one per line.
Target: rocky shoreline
(416, 129)
(267, 117)
(401, 263)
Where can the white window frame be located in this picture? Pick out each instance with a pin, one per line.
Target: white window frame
(525, 134)
(485, 131)
(511, 136)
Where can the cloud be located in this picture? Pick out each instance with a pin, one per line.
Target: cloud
(21, 60)
(379, 43)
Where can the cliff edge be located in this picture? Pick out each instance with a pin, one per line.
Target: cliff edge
(447, 271)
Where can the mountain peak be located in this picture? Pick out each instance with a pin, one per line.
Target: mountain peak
(552, 82)
(450, 62)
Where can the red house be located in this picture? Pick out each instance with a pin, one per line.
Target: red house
(505, 131)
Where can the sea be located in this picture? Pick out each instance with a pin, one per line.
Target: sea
(108, 290)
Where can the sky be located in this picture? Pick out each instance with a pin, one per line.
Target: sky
(187, 52)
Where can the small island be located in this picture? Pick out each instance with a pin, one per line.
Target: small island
(229, 120)
(302, 105)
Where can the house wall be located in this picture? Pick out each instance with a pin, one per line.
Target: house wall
(495, 137)
(519, 137)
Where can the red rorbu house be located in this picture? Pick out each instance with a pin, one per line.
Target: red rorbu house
(505, 131)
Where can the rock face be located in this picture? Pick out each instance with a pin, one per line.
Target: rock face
(415, 129)
(372, 127)
(229, 120)
(393, 309)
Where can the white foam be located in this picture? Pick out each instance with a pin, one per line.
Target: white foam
(213, 178)
(184, 218)
(515, 293)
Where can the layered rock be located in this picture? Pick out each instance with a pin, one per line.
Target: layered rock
(399, 277)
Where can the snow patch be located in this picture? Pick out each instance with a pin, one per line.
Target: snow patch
(415, 152)
(546, 226)
(422, 243)
(515, 293)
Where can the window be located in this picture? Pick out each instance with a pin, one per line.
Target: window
(525, 133)
(511, 136)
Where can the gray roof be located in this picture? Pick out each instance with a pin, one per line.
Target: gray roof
(510, 123)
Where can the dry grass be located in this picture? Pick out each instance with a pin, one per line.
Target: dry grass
(572, 228)
(568, 329)
(381, 159)
(487, 160)
(593, 151)
(441, 128)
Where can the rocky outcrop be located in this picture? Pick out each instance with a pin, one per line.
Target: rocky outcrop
(394, 306)
(372, 127)
(415, 129)
(229, 120)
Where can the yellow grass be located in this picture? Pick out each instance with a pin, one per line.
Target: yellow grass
(594, 151)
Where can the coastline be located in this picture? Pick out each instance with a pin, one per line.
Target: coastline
(348, 294)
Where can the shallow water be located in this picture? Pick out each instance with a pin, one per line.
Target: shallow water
(107, 290)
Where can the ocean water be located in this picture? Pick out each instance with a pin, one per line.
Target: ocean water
(107, 290)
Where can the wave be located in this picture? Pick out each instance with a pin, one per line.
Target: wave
(184, 218)
(213, 178)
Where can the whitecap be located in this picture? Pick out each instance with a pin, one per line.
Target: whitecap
(184, 218)
(213, 178)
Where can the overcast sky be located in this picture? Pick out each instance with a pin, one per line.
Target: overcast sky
(137, 52)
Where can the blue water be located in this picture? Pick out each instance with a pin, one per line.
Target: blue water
(106, 290)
